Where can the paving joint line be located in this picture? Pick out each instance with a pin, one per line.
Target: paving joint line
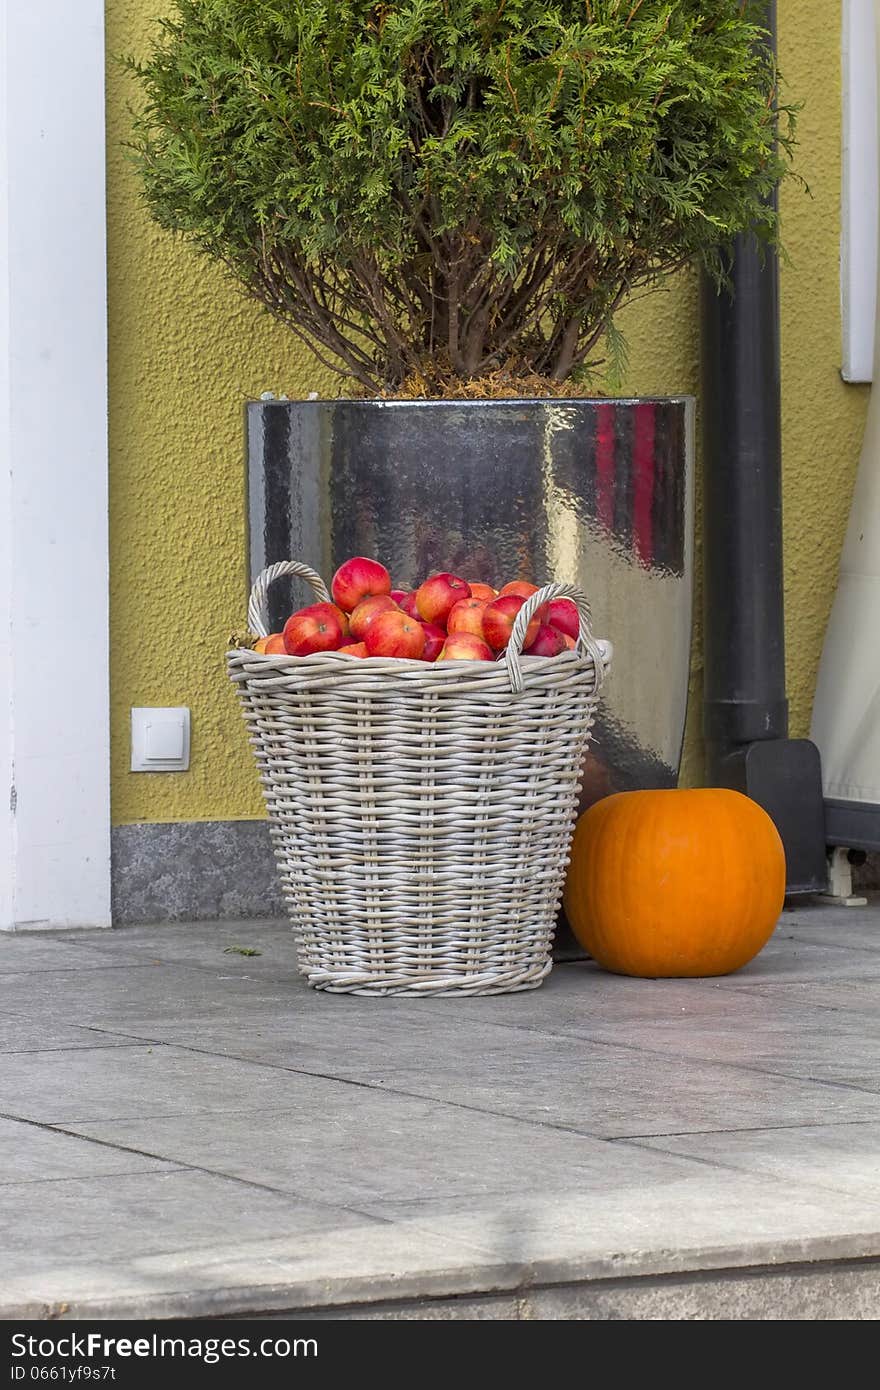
(326, 1076)
(174, 1165)
(394, 1090)
(93, 1177)
(725, 1165)
(533, 1121)
(554, 1037)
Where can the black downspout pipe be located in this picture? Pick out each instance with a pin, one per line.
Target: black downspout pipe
(744, 640)
(745, 705)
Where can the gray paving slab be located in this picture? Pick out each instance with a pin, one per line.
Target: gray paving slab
(843, 1158)
(177, 1243)
(850, 928)
(578, 995)
(291, 1025)
(31, 1153)
(788, 957)
(309, 1151)
(860, 936)
(220, 1245)
(123, 1216)
(110, 997)
(370, 1146)
(594, 1088)
(852, 994)
(600, 1090)
(18, 1033)
(292, 1020)
(784, 1040)
(152, 1080)
(205, 944)
(21, 952)
(683, 1223)
(581, 1000)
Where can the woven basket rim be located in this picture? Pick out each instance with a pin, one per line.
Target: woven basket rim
(398, 663)
(384, 672)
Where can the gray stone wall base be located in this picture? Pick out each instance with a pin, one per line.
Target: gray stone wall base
(845, 1291)
(193, 870)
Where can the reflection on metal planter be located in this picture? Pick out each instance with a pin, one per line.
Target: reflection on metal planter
(594, 492)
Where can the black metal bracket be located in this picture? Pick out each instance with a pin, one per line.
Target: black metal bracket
(852, 824)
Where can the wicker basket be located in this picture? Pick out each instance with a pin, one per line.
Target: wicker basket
(421, 814)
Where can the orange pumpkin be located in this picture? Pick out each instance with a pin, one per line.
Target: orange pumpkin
(675, 882)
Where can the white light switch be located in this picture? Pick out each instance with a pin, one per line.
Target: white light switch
(160, 739)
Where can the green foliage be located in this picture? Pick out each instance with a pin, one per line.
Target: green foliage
(439, 189)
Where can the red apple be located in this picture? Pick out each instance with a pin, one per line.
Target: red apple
(439, 595)
(563, 615)
(313, 629)
(355, 649)
(358, 579)
(467, 616)
(434, 639)
(569, 641)
(365, 612)
(398, 595)
(392, 633)
(549, 642)
(484, 591)
(464, 646)
(521, 587)
(498, 619)
(408, 605)
(343, 621)
(273, 645)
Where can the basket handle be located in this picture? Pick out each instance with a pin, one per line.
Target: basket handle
(586, 642)
(258, 607)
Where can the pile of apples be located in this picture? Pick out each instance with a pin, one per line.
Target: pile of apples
(445, 619)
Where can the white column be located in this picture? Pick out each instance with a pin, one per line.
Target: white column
(858, 194)
(54, 698)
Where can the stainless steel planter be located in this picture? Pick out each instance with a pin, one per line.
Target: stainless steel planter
(595, 492)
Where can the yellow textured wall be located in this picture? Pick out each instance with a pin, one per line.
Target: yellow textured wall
(186, 351)
(822, 417)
